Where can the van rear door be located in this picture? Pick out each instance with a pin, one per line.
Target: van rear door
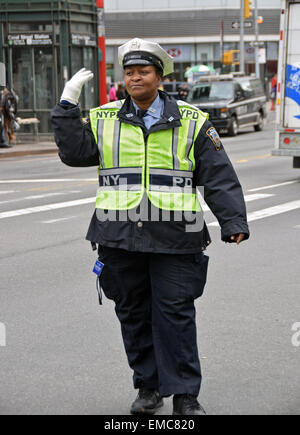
(291, 115)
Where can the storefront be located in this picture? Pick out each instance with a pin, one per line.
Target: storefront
(187, 55)
(42, 44)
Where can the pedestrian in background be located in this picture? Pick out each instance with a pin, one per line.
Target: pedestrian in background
(9, 124)
(121, 95)
(183, 92)
(153, 150)
(273, 92)
(112, 93)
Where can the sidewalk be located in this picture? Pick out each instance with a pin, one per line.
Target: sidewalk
(28, 149)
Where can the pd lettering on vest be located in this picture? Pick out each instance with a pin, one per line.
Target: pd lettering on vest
(189, 113)
(182, 182)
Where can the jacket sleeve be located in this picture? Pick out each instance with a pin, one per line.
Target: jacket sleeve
(75, 139)
(222, 190)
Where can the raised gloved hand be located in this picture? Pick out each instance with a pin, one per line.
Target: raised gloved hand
(74, 86)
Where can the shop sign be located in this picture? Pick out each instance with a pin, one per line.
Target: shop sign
(84, 40)
(180, 53)
(30, 39)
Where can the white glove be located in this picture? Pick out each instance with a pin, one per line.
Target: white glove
(74, 86)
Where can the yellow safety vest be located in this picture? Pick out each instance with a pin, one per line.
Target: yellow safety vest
(163, 166)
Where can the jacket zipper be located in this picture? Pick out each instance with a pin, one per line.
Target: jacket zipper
(146, 143)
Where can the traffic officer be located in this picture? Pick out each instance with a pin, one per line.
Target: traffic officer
(153, 153)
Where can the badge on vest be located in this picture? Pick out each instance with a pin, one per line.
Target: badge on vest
(214, 137)
(86, 120)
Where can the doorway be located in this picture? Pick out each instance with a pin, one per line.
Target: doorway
(34, 81)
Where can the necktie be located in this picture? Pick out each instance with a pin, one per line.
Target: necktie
(141, 113)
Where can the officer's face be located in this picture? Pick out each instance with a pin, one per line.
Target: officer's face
(142, 82)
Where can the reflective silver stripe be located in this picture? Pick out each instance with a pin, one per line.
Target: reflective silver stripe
(100, 128)
(116, 141)
(120, 103)
(122, 187)
(171, 189)
(191, 135)
(170, 173)
(176, 161)
(120, 171)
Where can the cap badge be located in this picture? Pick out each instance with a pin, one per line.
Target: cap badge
(135, 45)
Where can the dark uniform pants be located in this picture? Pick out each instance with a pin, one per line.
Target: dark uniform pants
(154, 296)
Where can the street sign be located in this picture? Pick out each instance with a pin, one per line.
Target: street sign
(262, 55)
(236, 25)
(257, 44)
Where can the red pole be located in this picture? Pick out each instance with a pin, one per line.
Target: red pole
(101, 46)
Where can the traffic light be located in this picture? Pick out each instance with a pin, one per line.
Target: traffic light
(248, 6)
(227, 58)
(231, 57)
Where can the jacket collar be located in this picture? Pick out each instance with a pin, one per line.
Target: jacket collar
(171, 117)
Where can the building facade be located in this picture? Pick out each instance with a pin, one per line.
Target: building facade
(191, 31)
(42, 43)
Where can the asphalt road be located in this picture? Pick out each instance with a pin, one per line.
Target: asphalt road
(61, 353)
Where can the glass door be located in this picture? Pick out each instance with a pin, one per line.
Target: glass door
(44, 86)
(22, 70)
(84, 57)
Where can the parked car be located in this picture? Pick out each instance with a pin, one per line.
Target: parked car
(233, 102)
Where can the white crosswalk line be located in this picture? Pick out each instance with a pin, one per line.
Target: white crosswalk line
(6, 192)
(49, 207)
(54, 221)
(248, 198)
(34, 197)
(253, 216)
(273, 186)
(50, 180)
(267, 212)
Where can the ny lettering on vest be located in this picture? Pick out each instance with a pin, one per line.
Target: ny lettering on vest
(182, 182)
(110, 180)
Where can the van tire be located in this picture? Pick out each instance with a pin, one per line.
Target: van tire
(234, 128)
(261, 123)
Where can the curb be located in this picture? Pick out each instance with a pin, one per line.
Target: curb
(16, 153)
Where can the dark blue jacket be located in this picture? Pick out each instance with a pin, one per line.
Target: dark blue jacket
(222, 190)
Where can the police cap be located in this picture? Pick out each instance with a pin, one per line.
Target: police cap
(141, 52)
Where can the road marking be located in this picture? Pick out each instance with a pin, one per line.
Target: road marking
(32, 197)
(273, 186)
(245, 160)
(248, 198)
(49, 207)
(51, 180)
(255, 197)
(267, 212)
(5, 192)
(53, 221)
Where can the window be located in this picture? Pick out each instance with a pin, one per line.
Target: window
(211, 92)
(257, 88)
(30, 27)
(248, 91)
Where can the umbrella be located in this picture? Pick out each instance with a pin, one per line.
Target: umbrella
(199, 70)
